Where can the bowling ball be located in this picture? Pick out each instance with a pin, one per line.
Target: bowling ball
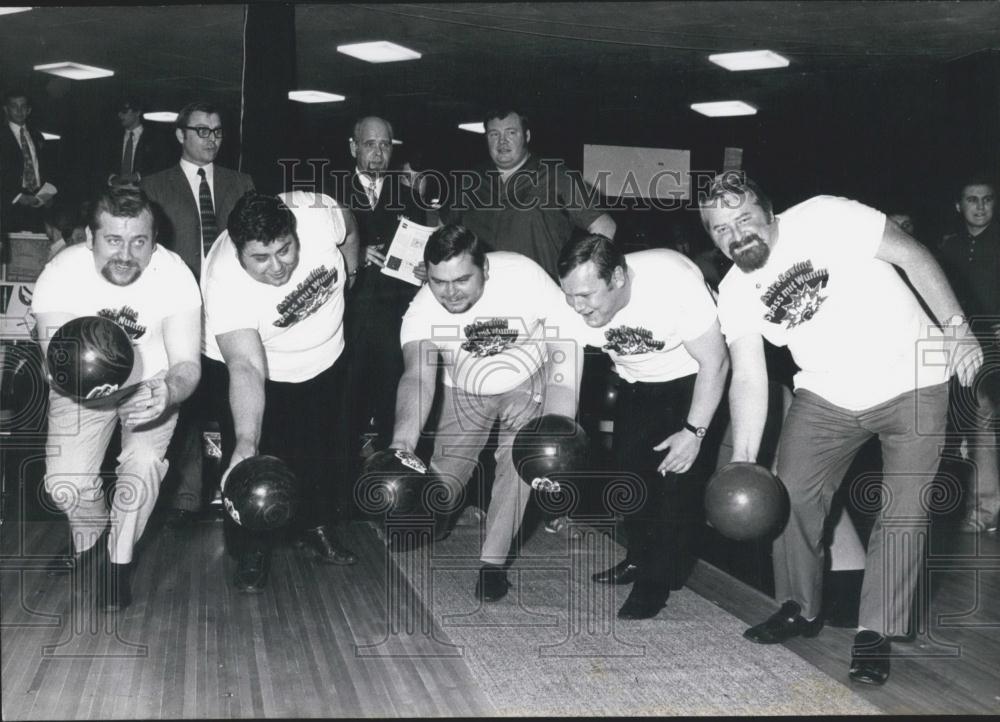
(395, 480)
(89, 358)
(745, 501)
(550, 446)
(261, 493)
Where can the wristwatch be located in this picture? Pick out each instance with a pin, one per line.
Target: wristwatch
(698, 431)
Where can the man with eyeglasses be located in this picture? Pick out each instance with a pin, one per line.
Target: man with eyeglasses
(195, 198)
(379, 200)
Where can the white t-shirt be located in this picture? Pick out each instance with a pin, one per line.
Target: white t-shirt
(853, 326)
(70, 283)
(499, 342)
(301, 322)
(669, 304)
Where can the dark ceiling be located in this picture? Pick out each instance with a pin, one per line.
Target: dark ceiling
(863, 76)
(556, 55)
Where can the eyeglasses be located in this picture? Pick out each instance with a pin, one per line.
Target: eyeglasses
(382, 145)
(204, 131)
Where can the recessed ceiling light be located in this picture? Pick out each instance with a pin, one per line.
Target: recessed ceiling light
(724, 108)
(50, 136)
(749, 60)
(378, 51)
(11, 11)
(314, 96)
(74, 71)
(161, 116)
(473, 127)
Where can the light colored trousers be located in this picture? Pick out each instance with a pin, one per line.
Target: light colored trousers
(464, 427)
(818, 442)
(78, 438)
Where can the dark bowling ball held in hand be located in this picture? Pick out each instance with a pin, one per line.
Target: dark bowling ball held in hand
(395, 480)
(89, 358)
(550, 447)
(745, 501)
(261, 493)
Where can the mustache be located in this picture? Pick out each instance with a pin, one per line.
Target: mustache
(736, 245)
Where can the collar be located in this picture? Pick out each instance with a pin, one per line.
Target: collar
(190, 170)
(505, 174)
(16, 130)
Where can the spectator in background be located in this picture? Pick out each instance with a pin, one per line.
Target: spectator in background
(133, 150)
(196, 197)
(25, 166)
(971, 260)
(522, 204)
(378, 200)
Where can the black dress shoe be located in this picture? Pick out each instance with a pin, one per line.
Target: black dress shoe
(322, 544)
(115, 590)
(784, 624)
(492, 584)
(181, 518)
(251, 572)
(870, 658)
(645, 601)
(622, 573)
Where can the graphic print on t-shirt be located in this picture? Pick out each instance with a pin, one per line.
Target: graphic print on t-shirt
(307, 297)
(127, 318)
(628, 341)
(795, 297)
(487, 338)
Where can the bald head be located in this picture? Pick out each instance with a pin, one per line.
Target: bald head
(371, 144)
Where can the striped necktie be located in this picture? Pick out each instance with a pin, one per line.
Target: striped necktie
(209, 229)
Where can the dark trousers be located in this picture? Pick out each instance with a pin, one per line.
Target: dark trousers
(302, 427)
(186, 477)
(660, 530)
(374, 357)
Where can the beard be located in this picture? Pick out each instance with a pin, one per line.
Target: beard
(754, 256)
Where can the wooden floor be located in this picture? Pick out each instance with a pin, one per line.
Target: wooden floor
(318, 643)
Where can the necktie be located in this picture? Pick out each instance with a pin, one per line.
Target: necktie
(209, 230)
(29, 179)
(372, 198)
(127, 156)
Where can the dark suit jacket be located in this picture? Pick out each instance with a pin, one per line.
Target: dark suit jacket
(180, 220)
(377, 226)
(151, 154)
(16, 218)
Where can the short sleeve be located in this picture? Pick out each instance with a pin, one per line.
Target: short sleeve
(736, 317)
(697, 305)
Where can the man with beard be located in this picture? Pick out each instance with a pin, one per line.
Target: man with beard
(819, 278)
(121, 274)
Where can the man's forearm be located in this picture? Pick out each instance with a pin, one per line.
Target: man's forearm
(246, 400)
(748, 410)
(181, 380)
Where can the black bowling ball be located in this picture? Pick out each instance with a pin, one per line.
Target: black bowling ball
(745, 501)
(550, 446)
(89, 358)
(261, 494)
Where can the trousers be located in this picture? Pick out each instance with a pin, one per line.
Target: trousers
(818, 442)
